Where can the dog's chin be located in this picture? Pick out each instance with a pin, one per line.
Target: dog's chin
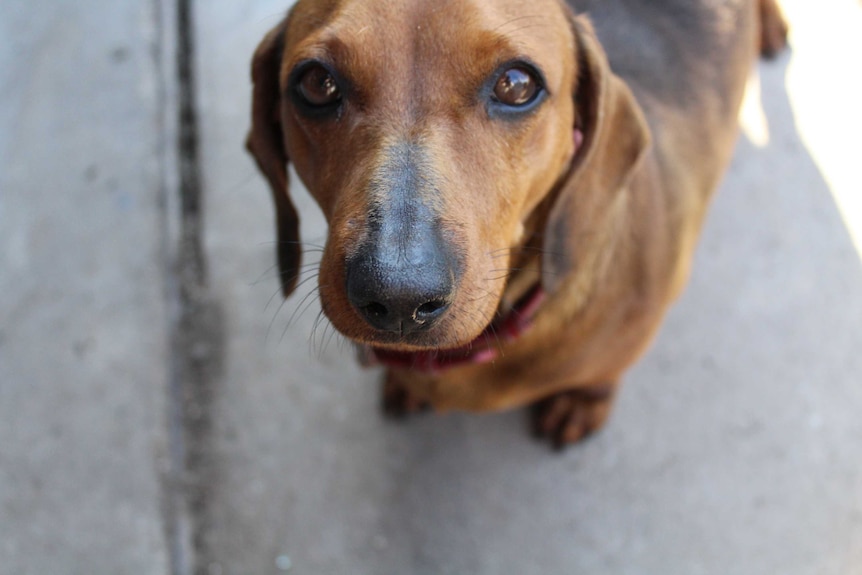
(457, 339)
(459, 326)
(432, 351)
(415, 342)
(450, 334)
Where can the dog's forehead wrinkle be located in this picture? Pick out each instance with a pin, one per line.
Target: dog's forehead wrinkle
(520, 22)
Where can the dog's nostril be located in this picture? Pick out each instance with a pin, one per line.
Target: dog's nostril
(430, 310)
(374, 309)
(397, 299)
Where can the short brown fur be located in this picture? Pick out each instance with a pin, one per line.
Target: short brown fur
(608, 227)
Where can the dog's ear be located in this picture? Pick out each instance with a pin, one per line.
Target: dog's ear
(611, 136)
(266, 143)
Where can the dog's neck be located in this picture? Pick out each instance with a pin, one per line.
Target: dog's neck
(526, 259)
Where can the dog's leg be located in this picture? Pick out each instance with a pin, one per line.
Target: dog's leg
(570, 416)
(773, 29)
(397, 399)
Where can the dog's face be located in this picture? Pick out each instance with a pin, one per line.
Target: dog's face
(429, 133)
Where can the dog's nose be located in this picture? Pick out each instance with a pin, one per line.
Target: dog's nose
(403, 296)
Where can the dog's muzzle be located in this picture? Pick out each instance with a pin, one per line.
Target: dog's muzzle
(507, 327)
(402, 287)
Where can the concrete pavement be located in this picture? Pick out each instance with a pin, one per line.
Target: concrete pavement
(734, 449)
(83, 319)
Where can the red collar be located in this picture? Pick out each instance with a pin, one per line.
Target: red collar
(483, 349)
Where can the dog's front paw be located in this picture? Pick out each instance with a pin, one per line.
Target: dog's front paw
(571, 416)
(397, 399)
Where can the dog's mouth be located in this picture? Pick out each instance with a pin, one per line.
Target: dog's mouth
(507, 326)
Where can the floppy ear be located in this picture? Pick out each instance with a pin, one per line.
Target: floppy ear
(613, 136)
(266, 143)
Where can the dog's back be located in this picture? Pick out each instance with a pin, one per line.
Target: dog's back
(686, 61)
(673, 49)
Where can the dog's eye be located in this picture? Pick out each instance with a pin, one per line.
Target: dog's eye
(318, 88)
(516, 87)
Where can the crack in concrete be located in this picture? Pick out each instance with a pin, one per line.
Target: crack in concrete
(197, 342)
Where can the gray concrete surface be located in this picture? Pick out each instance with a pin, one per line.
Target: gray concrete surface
(83, 323)
(735, 447)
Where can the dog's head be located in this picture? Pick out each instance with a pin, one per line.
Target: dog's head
(438, 138)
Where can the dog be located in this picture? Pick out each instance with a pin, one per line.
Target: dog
(513, 189)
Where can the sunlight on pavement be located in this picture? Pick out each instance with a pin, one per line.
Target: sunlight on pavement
(752, 118)
(824, 85)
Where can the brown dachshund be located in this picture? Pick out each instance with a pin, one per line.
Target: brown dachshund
(513, 189)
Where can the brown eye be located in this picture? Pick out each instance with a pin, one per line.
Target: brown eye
(516, 87)
(318, 88)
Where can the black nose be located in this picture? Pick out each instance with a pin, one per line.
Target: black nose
(400, 295)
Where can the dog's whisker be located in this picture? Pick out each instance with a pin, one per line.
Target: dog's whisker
(343, 342)
(312, 332)
(310, 302)
(320, 317)
(307, 250)
(484, 295)
(333, 333)
(261, 276)
(300, 271)
(272, 297)
(317, 347)
(514, 251)
(304, 304)
(288, 275)
(274, 316)
(507, 271)
(476, 320)
(497, 278)
(298, 307)
(480, 323)
(309, 265)
(313, 276)
(493, 331)
(481, 297)
(242, 183)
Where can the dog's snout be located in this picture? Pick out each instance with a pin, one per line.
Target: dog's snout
(401, 295)
(403, 275)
